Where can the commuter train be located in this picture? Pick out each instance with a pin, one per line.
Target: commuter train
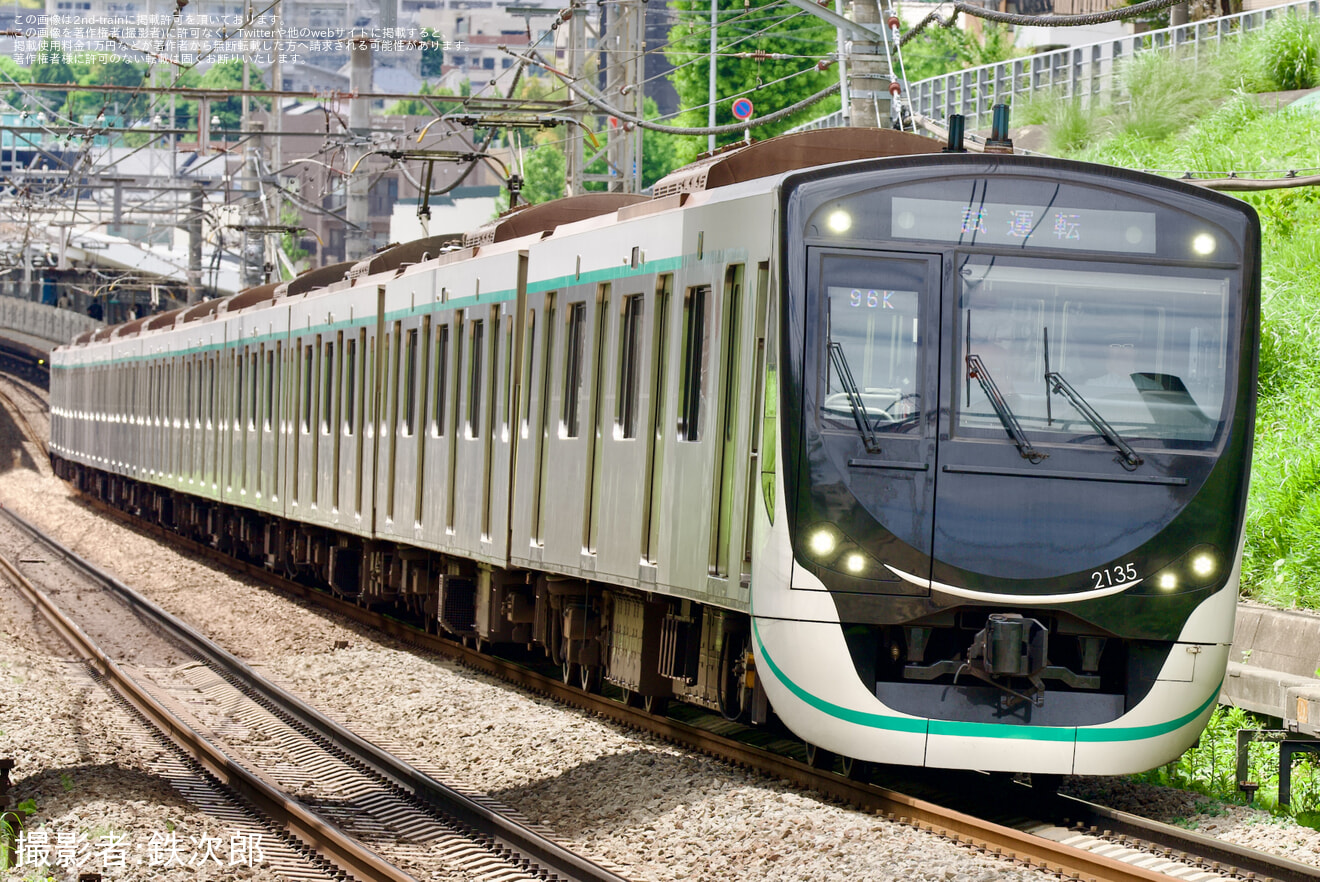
(940, 458)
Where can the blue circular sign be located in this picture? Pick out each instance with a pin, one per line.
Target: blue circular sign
(742, 108)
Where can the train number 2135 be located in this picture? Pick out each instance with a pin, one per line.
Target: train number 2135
(1118, 574)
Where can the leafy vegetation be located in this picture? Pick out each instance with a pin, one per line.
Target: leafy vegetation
(942, 50)
(1211, 768)
(1201, 118)
(781, 71)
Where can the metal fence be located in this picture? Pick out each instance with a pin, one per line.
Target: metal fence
(1081, 72)
(38, 320)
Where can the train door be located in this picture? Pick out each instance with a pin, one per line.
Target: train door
(353, 374)
(326, 423)
(875, 394)
(271, 363)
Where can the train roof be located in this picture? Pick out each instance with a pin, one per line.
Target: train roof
(735, 164)
(787, 153)
(546, 216)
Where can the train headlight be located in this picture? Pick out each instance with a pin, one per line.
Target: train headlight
(839, 221)
(854, 562)
(1198, 568)
(823, 542)
(1204, 244)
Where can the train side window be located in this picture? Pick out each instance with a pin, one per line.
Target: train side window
(630, 338)
(529, 349)
(770, 409)
(238, 390)
(327, 387)
(269, 416)
(474, 381)
(494, 364)
(350, 377)
(410, 382)
(253, 389)
(305, 420)
(506, 417)
(441, 381)
(695, 348)
(577, 321)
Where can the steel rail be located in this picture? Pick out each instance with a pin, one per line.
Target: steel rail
(21, 418)
(333, 845)
(508, 835)
(1189, 841)
(959, 827)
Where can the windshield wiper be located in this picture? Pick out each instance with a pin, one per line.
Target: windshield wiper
(1130, 458)
(977, 370)
(860, 416)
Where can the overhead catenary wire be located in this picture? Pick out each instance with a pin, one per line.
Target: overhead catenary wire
(1048, 21)
(597, 101)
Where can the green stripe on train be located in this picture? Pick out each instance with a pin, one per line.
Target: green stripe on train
(978, 730)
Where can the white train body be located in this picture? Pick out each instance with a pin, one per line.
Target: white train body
(568, 431)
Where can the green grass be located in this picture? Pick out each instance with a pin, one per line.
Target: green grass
(1205, 119)
(1219, 128)
(1210, 768)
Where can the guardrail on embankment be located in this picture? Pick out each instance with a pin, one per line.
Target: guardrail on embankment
(1085, 72)
(1078, 72)
(36, 329)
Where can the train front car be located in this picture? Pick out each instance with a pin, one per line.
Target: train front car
(1016, 400)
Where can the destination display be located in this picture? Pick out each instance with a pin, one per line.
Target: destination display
(1026, 226)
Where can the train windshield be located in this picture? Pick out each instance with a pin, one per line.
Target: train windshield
(1149, 350)
(874, 337)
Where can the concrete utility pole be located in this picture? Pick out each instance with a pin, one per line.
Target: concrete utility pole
(195, 207)
(867, 96)
(357, 237)
(254, 242)
(713, 80)
(576, 147)
(625, 43)
(276, 123)
(868, 70)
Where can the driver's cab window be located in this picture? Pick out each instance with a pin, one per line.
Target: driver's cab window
(873, 338)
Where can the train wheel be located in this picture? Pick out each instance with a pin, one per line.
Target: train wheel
(819, 757)
(855, 769)
(589, 678)
(734, 696)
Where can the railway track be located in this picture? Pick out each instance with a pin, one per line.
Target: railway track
(10, 393)
(1067, 836)
(342, 804)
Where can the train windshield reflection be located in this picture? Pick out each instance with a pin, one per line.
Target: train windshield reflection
(1150, 351)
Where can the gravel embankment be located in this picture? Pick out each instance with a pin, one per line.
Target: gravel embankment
(653, 811)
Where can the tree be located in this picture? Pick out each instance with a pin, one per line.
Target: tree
(786, 48)
(227, 76)
(52, 67)
(10, 72)
(659, 150)
(418, 107)
(84, 105)
(433, 53)
(939, 50)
